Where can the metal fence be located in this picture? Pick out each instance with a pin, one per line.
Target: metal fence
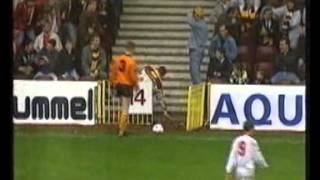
(108, 107)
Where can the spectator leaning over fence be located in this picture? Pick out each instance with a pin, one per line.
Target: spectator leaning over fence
(65, 68)
(47, 61)
(93, 60)
(290, 18)
(219, 67)
(124, 78)
(224, 41)
(287, 63)
(197, 42)
(43, 38)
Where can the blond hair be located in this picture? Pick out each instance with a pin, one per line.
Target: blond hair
(199, 12)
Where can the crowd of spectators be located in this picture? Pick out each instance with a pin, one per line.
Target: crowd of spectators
(257, 42)
(64, 39)
(254, 41)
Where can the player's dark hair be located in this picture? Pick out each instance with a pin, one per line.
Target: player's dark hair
(162, 70)
(248, 126)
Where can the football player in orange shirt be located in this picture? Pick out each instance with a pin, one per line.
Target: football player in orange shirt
(124, 78)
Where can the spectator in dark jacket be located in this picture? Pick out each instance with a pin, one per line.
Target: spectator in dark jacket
(287, 63)
(268, 26)
(219, 68)
(47, 61)
(65, 68)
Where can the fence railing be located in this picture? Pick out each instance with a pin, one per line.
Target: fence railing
(108, 107)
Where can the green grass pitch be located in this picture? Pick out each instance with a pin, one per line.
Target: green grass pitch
(46, 154)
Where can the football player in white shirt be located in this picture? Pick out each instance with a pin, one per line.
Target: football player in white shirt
(244, 156)
(149, 73)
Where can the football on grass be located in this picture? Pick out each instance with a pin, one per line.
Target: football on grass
(157, 128)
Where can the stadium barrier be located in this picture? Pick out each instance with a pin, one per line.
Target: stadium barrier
(269, 107)
(76, 102)
(53, 102)
(196, 107)
(108, 105)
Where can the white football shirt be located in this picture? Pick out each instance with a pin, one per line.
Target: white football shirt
(244, 155)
